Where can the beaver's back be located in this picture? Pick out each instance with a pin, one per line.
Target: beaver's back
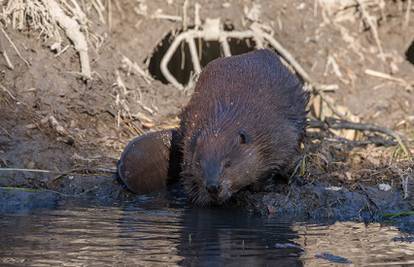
(254, 88)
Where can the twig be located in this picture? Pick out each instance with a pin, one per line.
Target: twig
(386, 76)
(26, 170)
(109, 15)
(185, 17)
(14, 47)
(331, 123)
(136, 68)
(166, 17)
(9, 63)
(407, 14)
(368, 19)
(8, 92)
(62, 51)
(76, 171)
(404, 185)
(330, 105)
(6, 57)
(360, 143)
(79, 171)
(99, 9)
(46, 190)
(197, 20)
(407, 181)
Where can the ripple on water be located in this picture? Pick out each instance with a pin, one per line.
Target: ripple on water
(130, 235)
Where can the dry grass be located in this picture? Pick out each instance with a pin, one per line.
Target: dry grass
(30, 14)
(346, 164)
(54, 21)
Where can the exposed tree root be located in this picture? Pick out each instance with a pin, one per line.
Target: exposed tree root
(14, 47)
(331, 123)
(73, 32)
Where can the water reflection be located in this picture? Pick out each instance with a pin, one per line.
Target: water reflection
(158, 235)
(363, 245)
(91, 236)
(217, 237)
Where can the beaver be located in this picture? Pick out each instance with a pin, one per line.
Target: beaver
(244, 122)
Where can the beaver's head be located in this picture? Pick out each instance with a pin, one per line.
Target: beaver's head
(220, 162)
(245, 119)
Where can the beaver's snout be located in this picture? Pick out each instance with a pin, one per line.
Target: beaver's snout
(213, 188)
(211, 173)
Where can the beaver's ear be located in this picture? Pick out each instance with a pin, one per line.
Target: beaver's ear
(244, 138)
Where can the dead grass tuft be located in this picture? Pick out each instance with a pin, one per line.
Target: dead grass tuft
(49, 18)
(344, 164)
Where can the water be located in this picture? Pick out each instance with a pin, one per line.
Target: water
(158, 234)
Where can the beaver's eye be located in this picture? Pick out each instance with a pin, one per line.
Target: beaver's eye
(243, 138)
(227, 164)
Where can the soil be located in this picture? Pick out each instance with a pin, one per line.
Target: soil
(95, 122)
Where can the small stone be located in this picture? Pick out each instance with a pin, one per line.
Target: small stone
(31, 126)
(56, 47)
(301, 6)
(148, 125)
(44, 120)
(384, 187)
(334, 188)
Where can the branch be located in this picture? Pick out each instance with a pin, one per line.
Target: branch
(77, 171)
(331, 123)
(73, 32)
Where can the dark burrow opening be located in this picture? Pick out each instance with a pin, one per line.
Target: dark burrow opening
(409, 54)
(181, 66)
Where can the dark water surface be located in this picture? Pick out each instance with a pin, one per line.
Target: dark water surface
(157, 234)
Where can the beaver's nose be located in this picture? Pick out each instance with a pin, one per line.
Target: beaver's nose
(211, 173)
(213, 188)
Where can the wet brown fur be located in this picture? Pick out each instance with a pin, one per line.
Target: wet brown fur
(148, 161)
(251, 96)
